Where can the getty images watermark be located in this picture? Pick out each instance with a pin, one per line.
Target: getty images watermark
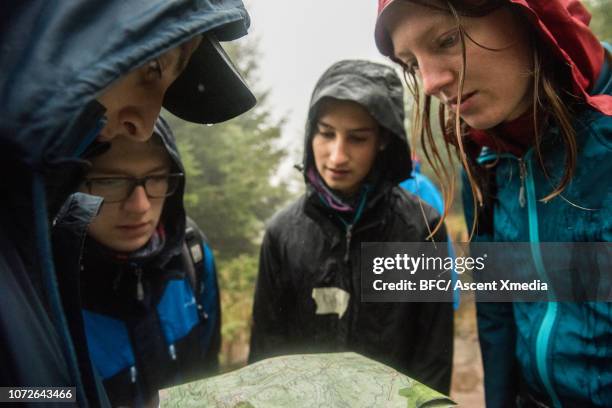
(493, 272)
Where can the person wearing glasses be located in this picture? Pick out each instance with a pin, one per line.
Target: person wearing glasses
(149, 292)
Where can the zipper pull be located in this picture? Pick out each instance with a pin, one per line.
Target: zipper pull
(523, 174)
(172, 351)
(139, 286)
(202, 312)
(348, 236)
(133, 374)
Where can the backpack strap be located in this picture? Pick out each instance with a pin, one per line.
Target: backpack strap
(193, 256)
(199, 266)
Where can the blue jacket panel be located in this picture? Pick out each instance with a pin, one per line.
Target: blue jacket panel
(110, 338)
(562, 349)
(422, 186)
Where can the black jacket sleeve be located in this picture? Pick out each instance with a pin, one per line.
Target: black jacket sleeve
(432, 361)
(270, 321)
(213, 299)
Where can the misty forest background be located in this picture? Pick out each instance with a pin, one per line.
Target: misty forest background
(234, 186)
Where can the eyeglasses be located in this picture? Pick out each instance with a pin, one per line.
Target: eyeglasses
(118, 189)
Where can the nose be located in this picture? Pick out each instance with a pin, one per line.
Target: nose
(137, 202)
(137, 122)
(134, 120)
(436, 76)
(339, 154)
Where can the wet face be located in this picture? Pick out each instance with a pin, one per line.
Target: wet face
(497, 84)
(134, 101)
(345, 144)
(127, 225)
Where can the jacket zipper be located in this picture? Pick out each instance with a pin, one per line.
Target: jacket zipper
(523, 175)
(545, 330)
(349, 236)
(527, 195)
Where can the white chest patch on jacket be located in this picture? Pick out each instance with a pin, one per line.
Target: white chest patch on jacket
(331, 300)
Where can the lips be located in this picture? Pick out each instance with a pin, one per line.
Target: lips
(338, 173)
(465, 100)
(134, 228)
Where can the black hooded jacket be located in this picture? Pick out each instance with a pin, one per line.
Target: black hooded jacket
(306, 248)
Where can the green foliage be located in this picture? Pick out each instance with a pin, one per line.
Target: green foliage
(601, 18)
(229, 167)
(237, 280)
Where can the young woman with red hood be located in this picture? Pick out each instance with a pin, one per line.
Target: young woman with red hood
(526, 87)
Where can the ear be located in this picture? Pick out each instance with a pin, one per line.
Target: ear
(384, 140)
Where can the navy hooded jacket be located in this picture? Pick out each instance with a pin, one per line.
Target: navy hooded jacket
(55, 58)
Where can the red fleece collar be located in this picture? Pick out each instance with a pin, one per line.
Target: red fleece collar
(513, 137)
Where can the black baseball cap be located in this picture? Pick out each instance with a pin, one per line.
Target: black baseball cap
(210, 89)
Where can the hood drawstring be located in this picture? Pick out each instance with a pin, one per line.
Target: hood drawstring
(139, 286)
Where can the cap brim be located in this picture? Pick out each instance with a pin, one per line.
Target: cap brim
(210, 89)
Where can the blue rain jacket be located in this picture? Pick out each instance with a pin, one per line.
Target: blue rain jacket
(562, 351)
(55, 58)
(171, 333)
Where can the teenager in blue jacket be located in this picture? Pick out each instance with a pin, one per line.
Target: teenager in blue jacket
(71, 72)
(526, 87)
(148, 282)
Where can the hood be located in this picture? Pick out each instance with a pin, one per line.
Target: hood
(173, 215)
(56, 57)
(379, 90)
(563, 27)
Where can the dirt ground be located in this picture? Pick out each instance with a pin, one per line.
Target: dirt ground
(467, 386)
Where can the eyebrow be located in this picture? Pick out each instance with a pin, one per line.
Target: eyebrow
(182, 59)
(116, 172)
(427, 33)
(361, 129)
